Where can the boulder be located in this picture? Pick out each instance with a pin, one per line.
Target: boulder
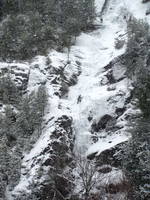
(120, 111)
(109, 156)
(104, 121)
(147, 11)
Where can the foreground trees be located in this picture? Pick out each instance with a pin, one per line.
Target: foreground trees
(136, 156)
(22, 117)
(136, 159)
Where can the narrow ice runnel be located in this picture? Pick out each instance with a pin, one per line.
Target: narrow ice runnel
(94, 50)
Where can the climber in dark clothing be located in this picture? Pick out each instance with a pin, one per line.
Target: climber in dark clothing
(79, 99)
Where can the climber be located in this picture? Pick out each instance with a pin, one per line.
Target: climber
(124, 17)
(79, 99)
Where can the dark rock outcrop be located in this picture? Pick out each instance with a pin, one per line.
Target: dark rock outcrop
(109, 156)
(110, 77)
(104, 123)
(145, 1)
(120, 111)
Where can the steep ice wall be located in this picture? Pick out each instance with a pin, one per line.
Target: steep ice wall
(96, 50)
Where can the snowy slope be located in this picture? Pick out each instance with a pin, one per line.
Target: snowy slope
(138, 9)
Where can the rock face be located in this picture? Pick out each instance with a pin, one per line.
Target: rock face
(60, 157)
(56, 156)
(104, 122)
(61, 78)
(61, 145)
(110, 157)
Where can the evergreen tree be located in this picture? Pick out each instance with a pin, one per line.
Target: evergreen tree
(32, 111)
(136, 159)
(8, 91)
(5, 166)
(137, 62)
(142, 91)
(41, 99)
(8, 124)
(23, 118)
(137, 45)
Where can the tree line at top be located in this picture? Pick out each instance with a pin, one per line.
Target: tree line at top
(30, 27)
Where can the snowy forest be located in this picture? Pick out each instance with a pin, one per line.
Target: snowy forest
(74, 100)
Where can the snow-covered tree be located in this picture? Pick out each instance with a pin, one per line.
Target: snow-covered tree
(137, 45)
(136, 159)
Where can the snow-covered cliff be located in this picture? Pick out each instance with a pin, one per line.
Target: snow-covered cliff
(89, 103)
